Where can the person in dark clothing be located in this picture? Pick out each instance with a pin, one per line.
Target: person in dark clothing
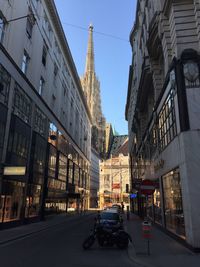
(122, 205)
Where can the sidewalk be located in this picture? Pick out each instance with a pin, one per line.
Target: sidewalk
(164, 250)
(19, 232)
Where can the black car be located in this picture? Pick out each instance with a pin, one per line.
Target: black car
(110, 219)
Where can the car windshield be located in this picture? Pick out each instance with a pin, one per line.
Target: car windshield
(109, 216)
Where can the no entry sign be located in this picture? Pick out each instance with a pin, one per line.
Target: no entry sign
(147, 187)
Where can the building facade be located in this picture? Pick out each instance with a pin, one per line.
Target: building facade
(114, 174)
(163, 113)
(45, 136)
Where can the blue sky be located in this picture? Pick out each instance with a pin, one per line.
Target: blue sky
(112, 55)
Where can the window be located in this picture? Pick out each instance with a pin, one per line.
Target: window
(25, 62)
(62, 173)
(167, 122)
(4, 85)
(70, 172)
(57, 52)
(41, 86)
(2, 133)
(12, 200)
(2, 27)
(35, 3)
(18, 144)
(55, 70)
(174, 216)
(22, 105)
(44, 54)
(29, 23)
(40, 124)
(47, 28)
(33, 201)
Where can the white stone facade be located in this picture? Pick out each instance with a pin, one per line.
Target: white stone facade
(163, 111)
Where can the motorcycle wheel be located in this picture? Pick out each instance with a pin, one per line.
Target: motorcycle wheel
(89, 241)
(123, 240)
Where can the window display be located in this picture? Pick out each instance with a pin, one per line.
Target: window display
(174, 216)
(11, 200)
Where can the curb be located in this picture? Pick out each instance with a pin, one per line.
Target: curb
(132, 256)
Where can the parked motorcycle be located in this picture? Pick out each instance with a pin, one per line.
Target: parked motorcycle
(107, 236)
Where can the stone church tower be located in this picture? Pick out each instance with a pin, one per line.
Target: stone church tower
(91, 88)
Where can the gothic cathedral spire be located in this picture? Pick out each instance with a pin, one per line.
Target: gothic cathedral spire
(91, 88)
(89, 67)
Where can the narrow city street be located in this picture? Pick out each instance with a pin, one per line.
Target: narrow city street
(60, 246)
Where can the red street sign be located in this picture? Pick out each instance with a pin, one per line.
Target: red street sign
(147, 187)
(146, 228)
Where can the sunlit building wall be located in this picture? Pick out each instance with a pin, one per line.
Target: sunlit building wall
(44, 120)
(163, 112)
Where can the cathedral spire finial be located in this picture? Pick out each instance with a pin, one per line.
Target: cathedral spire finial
(91, 27)
(90, 52)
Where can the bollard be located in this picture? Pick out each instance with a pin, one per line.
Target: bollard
(146, 227)
(128, 213)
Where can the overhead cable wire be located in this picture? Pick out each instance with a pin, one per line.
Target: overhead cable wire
(97, 32)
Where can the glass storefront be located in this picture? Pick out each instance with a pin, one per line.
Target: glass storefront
(33, 201)
(174, 216)
(11, 200)
(157, 206)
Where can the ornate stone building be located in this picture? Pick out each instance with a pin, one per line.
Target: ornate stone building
(91, 88)
(163, 111)
(114, 172)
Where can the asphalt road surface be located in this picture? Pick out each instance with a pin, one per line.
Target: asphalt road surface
(61, 246)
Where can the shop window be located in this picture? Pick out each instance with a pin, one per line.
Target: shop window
(157, 206)
(174, 216)
(70, 172)
(33, 201)
(4, 84)
(76, 175)
(39, 158)
(11, 200)
(62, 171)
(52, 162)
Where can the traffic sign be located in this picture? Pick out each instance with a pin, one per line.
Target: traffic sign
(147, 187)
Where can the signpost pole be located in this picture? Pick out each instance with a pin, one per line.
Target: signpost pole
(148, 246)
